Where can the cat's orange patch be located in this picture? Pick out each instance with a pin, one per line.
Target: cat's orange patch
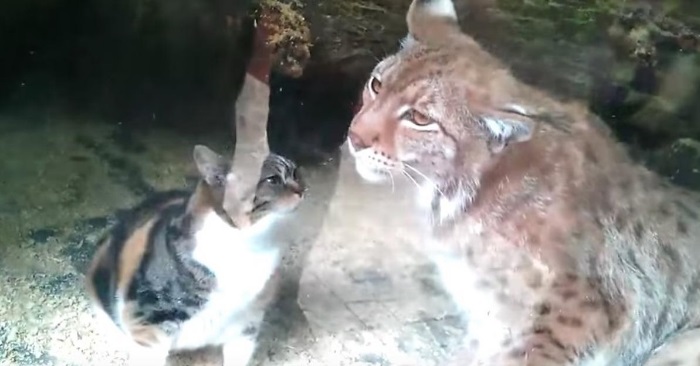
(132, 254)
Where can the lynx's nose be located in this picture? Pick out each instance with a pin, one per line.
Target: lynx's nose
(356, 141)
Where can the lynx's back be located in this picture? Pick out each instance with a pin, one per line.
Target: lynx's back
(558, 247)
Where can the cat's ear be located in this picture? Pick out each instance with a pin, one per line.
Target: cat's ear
(506, 125)
(211, 166)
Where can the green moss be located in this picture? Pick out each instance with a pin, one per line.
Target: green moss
(578, 20)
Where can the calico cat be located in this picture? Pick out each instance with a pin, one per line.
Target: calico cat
(176, 274)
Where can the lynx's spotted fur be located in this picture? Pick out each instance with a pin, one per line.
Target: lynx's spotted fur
(558, 247)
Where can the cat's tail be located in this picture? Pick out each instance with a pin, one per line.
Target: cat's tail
(432, 21)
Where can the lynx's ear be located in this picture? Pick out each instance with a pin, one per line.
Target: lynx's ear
(507, 125)
(432, 21)
(211, 166)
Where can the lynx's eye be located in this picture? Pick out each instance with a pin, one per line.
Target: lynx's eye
(413, 119)
(374, 85)
(416, 117)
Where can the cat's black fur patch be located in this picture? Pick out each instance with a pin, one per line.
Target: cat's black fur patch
(169, 286)
(104, 279)
(104, 284)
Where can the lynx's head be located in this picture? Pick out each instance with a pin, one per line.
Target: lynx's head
(440, 110)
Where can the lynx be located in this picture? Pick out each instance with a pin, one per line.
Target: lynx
(556, 245)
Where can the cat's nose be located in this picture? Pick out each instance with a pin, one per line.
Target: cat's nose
(356, 141)
(298, 189)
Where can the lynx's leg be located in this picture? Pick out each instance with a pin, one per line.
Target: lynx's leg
(540, 347)
(575, 325)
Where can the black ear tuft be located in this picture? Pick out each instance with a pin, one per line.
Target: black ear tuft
(211, 166)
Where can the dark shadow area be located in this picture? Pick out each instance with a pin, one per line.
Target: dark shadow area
(139, 63)
(309, 116)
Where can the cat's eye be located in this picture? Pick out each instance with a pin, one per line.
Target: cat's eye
(374, 85)
(274, 179)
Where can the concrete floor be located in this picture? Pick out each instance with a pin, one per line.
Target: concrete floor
(365, 296)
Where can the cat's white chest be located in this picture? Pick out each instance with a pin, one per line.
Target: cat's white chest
(241, 260)
(242, 263)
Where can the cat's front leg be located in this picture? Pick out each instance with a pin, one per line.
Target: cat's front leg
(239, 350)
(156, 356)
(240, 346)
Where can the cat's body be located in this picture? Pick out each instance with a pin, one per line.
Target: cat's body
(559, 249)
(176, 274)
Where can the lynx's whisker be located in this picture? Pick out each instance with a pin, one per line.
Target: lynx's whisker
(430, 181)
(410, 178)
(391, 176)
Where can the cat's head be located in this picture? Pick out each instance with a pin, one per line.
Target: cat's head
(279, 190)
(440, 109)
